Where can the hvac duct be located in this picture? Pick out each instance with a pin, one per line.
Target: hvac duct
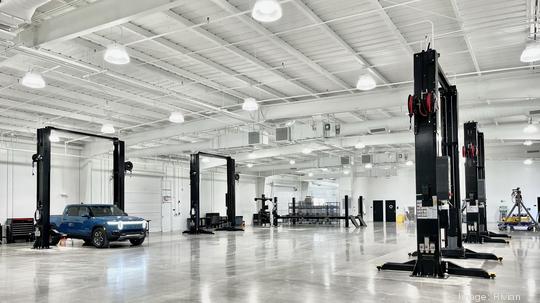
(14, 13)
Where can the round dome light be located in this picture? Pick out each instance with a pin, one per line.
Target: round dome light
(116, 54)
(267, 11)
(33, 80)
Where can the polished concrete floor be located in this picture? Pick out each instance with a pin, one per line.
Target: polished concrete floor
(301, 264)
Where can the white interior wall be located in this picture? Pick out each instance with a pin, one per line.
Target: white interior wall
(75, 180)
(501, 177)
(18, 185)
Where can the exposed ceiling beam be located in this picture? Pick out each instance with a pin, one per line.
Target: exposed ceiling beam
(466, 37)
(164, 42)
(149, 63)
(91, 18)
(393, 28)
(474, 89)
(330, 32)
(268, 35)
(237, 51)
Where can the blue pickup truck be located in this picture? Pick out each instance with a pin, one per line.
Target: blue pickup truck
(97, 224)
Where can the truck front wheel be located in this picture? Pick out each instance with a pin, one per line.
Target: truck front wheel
(99, 238)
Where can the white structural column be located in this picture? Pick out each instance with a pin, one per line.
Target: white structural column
(331, 33)
(261, 30)
(94, 17)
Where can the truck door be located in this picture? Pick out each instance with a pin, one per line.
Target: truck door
(83, 224)
(68, 221)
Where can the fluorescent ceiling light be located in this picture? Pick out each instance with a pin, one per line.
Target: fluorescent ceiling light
(366, 82)
(108, 129)
(360, 145)
(116, 54)
(250, 165)
(176, 117)
(346, 172)
(310, 174)
(306, 151)
(250, 105)
(528, 143)
(530, 129)
(33, 80)
(368, 166)
(409, 163)
(531, 52)
(292, 162)
(528, 161)
(54, 138)
(324, 169)
(266, 11)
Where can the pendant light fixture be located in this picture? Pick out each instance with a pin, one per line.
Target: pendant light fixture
(54, 138)
(250, 105)
(176, 117)
(409, 163)
(292, 162)
(116, 54)
(249, 165)
(267, 11)
(531, 52)
(368, 166)
(528, 161)
(366, 82)
(33, 80)
(360, 145)
(528, 143)
(530, 128)
(107, 129)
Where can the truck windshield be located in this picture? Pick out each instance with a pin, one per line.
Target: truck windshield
(106, 210)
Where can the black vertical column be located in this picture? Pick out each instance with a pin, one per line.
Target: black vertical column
(231, 191)
(471, 181)
(294, 210)
(482, 211)
(194, 191)
(450, 148)
(361, 207)
(43, 187)
(119, 172)
(346, 211)
(428, 238)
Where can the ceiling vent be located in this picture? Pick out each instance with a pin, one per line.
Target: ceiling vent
(534, 112)
(366, 159)
(283, 134)
(257, 138)
(345, 160)
(378, 130)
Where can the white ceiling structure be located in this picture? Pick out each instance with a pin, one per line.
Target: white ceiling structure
(205, 57)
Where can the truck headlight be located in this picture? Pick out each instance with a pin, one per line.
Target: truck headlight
(113, 223)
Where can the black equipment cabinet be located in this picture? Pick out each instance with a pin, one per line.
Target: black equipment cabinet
(42, 159)
(390, 214)
(435, 170)
(230, 196)
(378, 211)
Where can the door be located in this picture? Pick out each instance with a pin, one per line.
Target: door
(68, 222)
(378, 210)
(166, 217)
(390, 210)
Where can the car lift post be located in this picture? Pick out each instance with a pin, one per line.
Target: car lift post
(42, 159)
(230, 196)
(433, 174)
(475, 197)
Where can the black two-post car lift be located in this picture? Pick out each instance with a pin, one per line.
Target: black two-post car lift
(230, 196)
(437, 174)
(475, 185)
(42, 159)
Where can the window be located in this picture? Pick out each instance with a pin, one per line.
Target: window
(72, 211)
(106, 210)
(84, 211)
